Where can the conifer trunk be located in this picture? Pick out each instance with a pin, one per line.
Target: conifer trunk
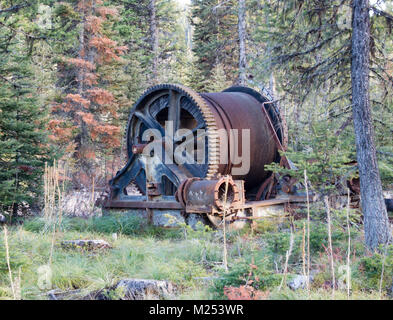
(376, 224)
(82, 140)
(242, 42)
(153, 39)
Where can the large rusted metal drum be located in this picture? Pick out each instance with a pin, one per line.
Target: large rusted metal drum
(234, 108)
(239, 108)
(181, 144)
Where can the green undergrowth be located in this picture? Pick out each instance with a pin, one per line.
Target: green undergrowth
(130, 257)
(121, 223)
(191, 258)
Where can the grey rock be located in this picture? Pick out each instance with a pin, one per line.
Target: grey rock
(2, 218)
(167, 218)
(194, 220)
(299, 281)
(138, 289)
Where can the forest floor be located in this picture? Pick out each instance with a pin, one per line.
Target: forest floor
(191, 259)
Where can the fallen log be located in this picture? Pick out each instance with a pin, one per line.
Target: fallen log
(135, 289)
(85, 244)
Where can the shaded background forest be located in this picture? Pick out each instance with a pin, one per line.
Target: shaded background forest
(71, 70)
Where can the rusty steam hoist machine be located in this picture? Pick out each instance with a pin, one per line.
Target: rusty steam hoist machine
(202, 178)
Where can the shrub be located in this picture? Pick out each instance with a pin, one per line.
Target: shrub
(368, 273)
(16, 258)
(246, 272)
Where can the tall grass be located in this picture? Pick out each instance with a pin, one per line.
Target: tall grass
(304, 251)
(191, 263)
(7, 257)
(331, 257)
(54, 191)
(287, 256)
(349, 248)
(308, 233)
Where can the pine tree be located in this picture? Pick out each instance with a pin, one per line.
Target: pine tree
(312, 49)
(376, 223)
(155, 35)
(215, 40)
(85, 117)
(23, 139)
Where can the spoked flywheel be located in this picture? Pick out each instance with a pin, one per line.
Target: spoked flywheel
(184, 109)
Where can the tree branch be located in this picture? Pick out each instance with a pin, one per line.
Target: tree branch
(389, 154)
(287, 57)
(382, 13)
(10, 82)
(15, 8)
(344, 125)
(26, 34)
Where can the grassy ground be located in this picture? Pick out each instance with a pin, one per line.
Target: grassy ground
(190, 259)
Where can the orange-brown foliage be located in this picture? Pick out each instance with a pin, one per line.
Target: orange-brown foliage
(85, 5)
(109, 134)
(108, 129)
(80, 63)
(107, 49)
(70, 148)
(54, 123)
(93, 103)
(101, 96)
(60, 130)
(94, 24)
(107, 11)
(245, 293)
(90, 78)
(65, 107)
(87, 117)
(77, 98)
(89, 154)
(111, 141)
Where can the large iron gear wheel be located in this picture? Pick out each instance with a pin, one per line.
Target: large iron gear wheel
(149, 112)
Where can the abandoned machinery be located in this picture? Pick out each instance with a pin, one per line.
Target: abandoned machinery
(202, 153)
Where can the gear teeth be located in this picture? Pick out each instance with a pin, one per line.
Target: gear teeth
(213, 141)
(211, 126)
